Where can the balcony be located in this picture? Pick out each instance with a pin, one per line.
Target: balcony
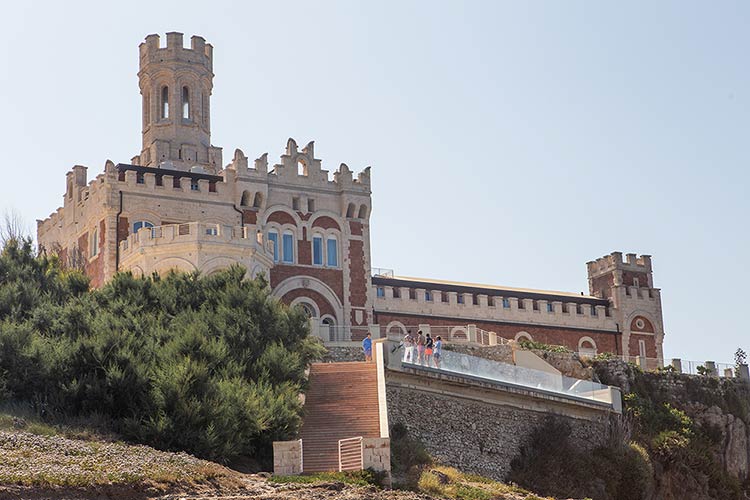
(194, 246)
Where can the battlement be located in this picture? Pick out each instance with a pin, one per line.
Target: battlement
(615, 261)
(199, 52)
(300, 167)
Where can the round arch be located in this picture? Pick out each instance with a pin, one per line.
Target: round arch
(310, 283)
(176, 263)
(397, 325)
(587, 347)
(459, 334)
(523, 336)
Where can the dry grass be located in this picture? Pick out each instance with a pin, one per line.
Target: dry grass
(446, 482)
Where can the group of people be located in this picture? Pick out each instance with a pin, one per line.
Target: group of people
(422, 349)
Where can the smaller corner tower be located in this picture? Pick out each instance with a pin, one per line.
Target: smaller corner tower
(629, 286)
(176, 84)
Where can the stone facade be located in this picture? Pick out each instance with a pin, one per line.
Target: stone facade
(176, 206)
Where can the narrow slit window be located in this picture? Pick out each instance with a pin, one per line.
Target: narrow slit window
(165, 102)
(185, 103)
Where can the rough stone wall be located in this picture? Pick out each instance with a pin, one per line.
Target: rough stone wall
(476, 437)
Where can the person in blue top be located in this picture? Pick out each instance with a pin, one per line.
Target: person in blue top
(437, 351)
(367, 347)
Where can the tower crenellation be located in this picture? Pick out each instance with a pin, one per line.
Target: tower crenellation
(176, 85)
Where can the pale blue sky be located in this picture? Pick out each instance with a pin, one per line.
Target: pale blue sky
(510, 142)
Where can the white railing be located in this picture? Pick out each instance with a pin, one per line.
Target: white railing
(351, 454)
(381, 271)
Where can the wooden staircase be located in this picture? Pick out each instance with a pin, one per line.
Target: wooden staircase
(342, 402)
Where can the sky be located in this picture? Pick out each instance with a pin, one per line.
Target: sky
(510, 142)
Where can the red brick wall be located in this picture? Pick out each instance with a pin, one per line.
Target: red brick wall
(249, 216)
(358, 286)
(282, 218)
(304, 250)
(334, 278)
(323, 305)
(94, 267)
(628, 278)
(123, 230)
(605, 341)
(650, 345)
(355, 227)
(647, 327)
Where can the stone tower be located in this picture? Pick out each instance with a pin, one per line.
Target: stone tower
(176, 85)
(629, 285)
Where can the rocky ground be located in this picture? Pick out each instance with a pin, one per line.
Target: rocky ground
(38, 466)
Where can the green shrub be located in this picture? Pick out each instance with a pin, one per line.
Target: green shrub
(534, 345)
(406, 452)
(210, 365)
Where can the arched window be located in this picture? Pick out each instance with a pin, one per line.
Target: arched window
(586, 347)
(273, 237)
(350, 210)
(301, 167)
(332, 251)
(245, 201)
(164, 102)
(185, 103)
(287, 250)
(258, 200)
(140, 224)
(520, 336)
(362, 212)
(308, 308)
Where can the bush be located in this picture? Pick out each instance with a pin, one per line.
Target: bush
(210, 365)
(533, 345)
(550, 463)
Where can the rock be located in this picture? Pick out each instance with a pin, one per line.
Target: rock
(442, 478)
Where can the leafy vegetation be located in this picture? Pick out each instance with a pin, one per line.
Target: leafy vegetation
(552, 463)
(354, 478)
(540, 346)
(210, 365)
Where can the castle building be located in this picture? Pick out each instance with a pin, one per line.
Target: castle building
(177, 206)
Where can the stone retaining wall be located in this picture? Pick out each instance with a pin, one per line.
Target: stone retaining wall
(287, 457)
(476, 436)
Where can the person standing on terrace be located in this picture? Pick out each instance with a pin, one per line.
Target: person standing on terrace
(420, 348)
(438, 351)
(367, 347)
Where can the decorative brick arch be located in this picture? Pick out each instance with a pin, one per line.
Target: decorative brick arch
(314, 289)
(641, 323)
(281, 216)
(523, 336)
(326, 222)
